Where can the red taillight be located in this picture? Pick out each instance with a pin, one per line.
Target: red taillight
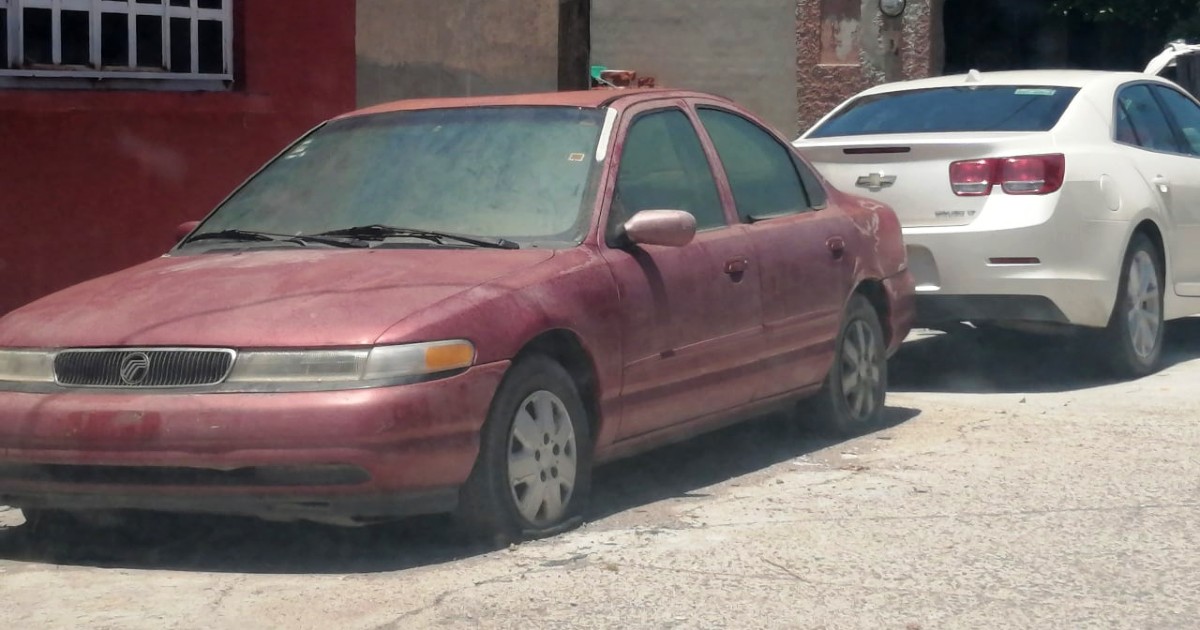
(973, 178)
(1033, 175)
(1025, 175)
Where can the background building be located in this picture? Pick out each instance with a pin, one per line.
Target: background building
(119, 120)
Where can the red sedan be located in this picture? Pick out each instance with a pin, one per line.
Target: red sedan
(458, 305)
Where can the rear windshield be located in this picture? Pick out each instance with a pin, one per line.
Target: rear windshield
(951, 109)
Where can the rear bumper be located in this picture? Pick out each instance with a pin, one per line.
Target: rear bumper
(982, 308)
(960, 274)
(318, 455)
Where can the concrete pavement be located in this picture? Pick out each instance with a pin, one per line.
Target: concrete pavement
(1013, 489)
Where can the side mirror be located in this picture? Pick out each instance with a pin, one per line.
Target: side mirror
(184, 229)
(668, 228)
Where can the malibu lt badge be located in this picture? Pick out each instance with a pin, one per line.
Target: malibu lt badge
(876, 182)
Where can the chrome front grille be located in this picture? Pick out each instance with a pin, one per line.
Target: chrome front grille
(134, 368)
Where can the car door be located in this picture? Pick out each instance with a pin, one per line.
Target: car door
(692, 323)
(1158, 152)
(1184, 114)
(805, 268)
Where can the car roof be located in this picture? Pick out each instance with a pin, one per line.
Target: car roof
(1063, 78)
(586, 99)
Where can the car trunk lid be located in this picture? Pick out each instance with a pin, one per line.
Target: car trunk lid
(911, 173)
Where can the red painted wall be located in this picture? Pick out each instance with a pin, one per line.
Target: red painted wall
(93, 181)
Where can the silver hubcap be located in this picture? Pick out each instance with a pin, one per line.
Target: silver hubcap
(542, 459)
(1145, 309)
(862, 373)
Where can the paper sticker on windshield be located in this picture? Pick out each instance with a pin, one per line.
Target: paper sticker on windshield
(576, 157)
(1035, 92)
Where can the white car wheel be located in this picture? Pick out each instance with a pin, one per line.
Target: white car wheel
(1135, 332)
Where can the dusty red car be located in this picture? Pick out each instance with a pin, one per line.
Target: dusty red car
(458, 305)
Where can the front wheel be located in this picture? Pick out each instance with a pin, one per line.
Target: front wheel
(1134, 336)
(852, 400)
(533, 474)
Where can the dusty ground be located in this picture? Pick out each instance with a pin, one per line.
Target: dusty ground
(1014, 490)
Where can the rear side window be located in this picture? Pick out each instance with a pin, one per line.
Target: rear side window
(1151, 129)
(761, 172)
(952, 109)
(1186, 114)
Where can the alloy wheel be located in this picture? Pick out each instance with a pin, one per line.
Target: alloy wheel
(861, 372)
(1145, 305)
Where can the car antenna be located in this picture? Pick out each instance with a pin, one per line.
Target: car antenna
(974, 76)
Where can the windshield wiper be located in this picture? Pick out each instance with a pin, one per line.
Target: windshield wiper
(263, 237)
(383, 232)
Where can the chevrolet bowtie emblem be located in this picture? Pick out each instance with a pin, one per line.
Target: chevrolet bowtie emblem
(875, 182)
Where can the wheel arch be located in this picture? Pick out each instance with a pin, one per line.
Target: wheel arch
(875, 293)
(566, 348)
(1151, 230)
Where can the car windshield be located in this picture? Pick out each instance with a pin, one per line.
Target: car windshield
(951, 109)
(519, 173)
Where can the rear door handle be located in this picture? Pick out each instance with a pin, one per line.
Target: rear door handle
(837, 246)
(737, 266)
(1163, 184)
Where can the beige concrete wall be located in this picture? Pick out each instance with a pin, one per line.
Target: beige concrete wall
(430, 48)
(744, 49)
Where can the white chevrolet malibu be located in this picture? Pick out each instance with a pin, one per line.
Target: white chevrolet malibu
(1042, 200)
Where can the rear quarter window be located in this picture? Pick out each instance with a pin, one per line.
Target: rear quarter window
(952, 109)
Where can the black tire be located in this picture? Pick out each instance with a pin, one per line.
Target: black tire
(836, 412)
(1126, 352)
(489, 509)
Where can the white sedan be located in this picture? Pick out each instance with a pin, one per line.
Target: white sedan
(1042, 200)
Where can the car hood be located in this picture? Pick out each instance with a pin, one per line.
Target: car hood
(258, 299)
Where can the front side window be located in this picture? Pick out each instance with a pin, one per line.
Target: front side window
(1186, 114)
(190, 40)
(520, 173)
(973, 109)
(761, 172)
(1151, 129)
(663, 167)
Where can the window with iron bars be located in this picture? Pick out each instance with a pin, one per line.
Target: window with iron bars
(188, 43)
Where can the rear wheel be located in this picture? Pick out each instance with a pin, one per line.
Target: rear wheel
(1134, 336)
(533, 474)
(852, 400)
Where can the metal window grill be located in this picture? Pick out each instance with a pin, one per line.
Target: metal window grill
(117, 39)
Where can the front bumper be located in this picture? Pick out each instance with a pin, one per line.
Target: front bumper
(326, 456)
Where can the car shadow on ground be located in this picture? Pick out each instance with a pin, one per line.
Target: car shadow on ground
(982, 361)
(685, 469)
(236, 545)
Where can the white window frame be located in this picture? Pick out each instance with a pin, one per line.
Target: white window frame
(165, 77)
